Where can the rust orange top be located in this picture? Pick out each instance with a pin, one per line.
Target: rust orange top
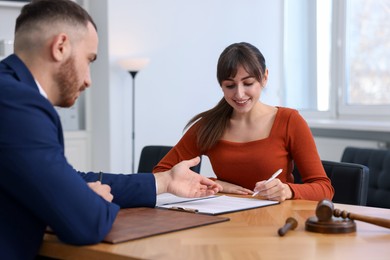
(290, 141)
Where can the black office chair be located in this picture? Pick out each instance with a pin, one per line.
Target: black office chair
(378, 161)
(151, 156)
(349, 180)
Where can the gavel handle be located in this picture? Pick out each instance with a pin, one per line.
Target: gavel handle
(283, 230)
(372, 220)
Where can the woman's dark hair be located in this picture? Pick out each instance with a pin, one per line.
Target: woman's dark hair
(212, 123)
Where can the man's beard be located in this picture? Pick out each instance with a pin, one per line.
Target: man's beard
(67, 82)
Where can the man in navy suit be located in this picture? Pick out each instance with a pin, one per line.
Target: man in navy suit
(55, 42)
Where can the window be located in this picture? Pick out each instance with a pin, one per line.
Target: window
(337, 58)
(367, 57)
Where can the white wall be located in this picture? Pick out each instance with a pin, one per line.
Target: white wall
(183, 40)
(8, 12)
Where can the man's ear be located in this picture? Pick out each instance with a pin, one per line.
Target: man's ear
(60, 47)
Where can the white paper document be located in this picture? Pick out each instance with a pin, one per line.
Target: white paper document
(168, 198)
(212, 205)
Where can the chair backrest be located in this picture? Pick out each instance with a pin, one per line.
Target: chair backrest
(349, 180)
(378, 161)
(151, 156)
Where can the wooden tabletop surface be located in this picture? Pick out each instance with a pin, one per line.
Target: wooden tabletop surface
(250, 234)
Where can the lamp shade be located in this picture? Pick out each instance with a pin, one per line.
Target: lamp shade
(134, 64)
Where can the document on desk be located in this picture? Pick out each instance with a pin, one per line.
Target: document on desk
(212, 205)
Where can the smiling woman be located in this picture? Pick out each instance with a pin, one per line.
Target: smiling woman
(247, 140)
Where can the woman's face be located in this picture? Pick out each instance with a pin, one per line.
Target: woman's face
(243, 91)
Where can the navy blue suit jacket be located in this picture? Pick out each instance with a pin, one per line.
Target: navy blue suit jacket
(38, 187)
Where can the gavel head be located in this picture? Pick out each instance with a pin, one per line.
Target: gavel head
(324, 210)
(293, 222)
(324, 222)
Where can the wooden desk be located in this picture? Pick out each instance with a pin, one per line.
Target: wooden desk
(250, 234)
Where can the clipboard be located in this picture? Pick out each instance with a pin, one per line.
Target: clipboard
(136, 223)
(216, 205)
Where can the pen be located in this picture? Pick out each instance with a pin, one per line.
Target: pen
(100, 176)
(184, 209)
(276, 174)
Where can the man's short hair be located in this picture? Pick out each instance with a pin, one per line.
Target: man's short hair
(51, 11)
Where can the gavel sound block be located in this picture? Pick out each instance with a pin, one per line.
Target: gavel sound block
(325, 221)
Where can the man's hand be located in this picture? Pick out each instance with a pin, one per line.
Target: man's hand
(103, 190)
(183, 182)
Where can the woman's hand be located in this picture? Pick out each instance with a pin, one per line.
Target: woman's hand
(273, 190)
(233, 188)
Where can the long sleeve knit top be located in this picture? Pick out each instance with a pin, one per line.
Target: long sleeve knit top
(290, 142)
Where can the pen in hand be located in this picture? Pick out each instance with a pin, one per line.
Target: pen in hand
(100, 177)
(276, 174)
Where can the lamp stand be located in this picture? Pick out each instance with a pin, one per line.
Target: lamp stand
(133, 66)
(133, 74)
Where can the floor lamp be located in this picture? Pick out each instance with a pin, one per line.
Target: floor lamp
(133, 66)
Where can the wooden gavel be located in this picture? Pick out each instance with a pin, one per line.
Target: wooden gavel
(291, 224)
(325, 210)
